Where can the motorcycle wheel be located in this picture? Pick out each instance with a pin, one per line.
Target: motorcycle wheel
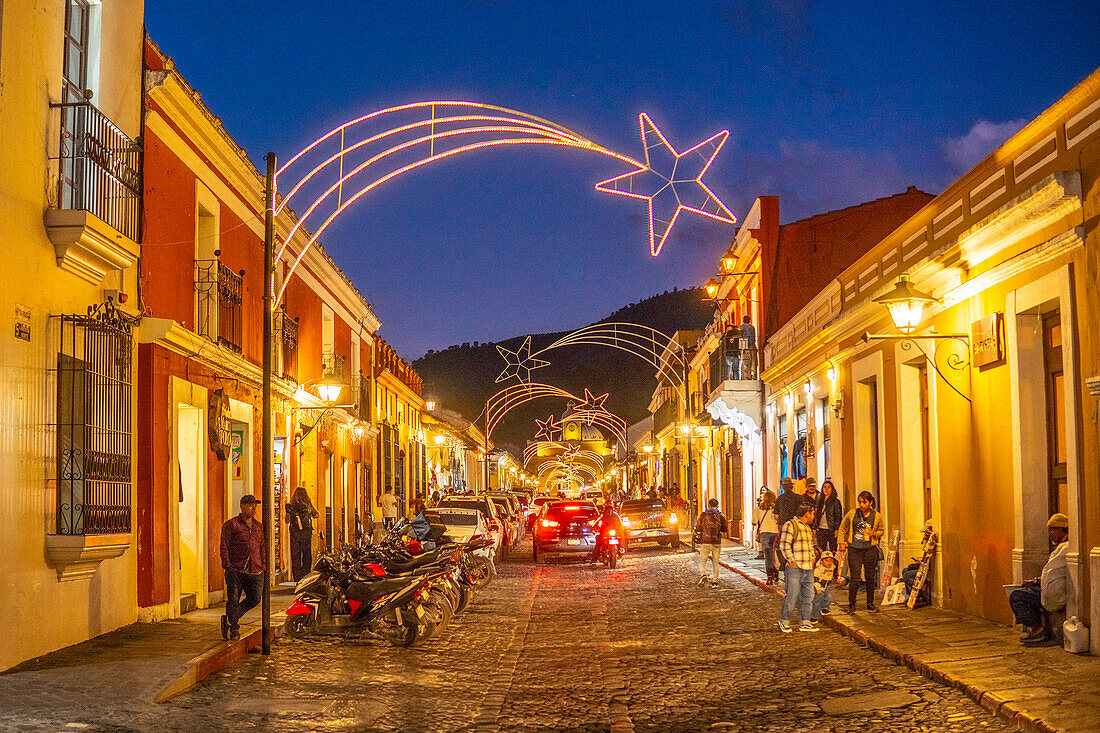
(481, 572)
(613, 558)
(298, 625)
(399, 635)
(465, 595)
(438, 608)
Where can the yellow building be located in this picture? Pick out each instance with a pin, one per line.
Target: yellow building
(983, 418)
(70, 221)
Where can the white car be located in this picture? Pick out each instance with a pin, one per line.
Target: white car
(463, 524)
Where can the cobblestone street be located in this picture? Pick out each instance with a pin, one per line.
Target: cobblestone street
(567, 647)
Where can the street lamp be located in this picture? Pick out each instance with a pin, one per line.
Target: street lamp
(329, 389)
(906, 304)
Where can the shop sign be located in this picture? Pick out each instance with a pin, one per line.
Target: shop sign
(987, 340)
(218, 424)
(22, 322)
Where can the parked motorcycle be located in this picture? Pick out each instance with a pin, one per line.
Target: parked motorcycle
(333, 600)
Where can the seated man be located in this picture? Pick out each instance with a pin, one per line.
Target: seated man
(1033, 602)
(929, 540)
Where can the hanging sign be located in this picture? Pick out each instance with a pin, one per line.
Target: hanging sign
(987, 340)
(218, 424)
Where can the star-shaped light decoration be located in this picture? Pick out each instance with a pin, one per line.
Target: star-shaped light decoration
(591, 402)
(569, 455)
(519, 362)
(547, 428)
(680, 188)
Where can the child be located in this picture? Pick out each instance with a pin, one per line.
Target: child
(824, 580)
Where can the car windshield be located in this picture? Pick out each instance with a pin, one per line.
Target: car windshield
(484, 506)
(459, 519)
(572, 511)
(642, 505)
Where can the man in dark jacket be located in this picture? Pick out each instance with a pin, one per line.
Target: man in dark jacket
(244, 557)
(710, 528)
(786, 504)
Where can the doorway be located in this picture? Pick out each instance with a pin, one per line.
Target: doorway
(190, 449)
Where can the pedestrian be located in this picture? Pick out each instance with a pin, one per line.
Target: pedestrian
(1033, 603)
(300, 514)
(733, 352)
(710, 528)
(824, 580)
(769, 530)
(859, 535)
(796, 541)
(787, 503)
(811, 491)
(388, 502)
(244, 557)
(827, 516)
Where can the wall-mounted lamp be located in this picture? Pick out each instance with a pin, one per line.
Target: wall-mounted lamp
(329, 389)
(906, 304)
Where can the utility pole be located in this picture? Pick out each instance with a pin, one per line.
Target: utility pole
(268, 428)
(690, 473)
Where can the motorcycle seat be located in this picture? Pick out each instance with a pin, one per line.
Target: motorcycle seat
(368, 591)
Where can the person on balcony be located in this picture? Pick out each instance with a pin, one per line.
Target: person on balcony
(1038, 598)
(733, 352)
(748, 349)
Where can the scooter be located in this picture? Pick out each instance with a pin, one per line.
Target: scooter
(331, 600)
(609, 548)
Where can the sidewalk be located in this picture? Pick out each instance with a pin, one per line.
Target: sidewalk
(137, 665)
(1044, 689)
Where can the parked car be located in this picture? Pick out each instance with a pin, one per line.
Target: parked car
(495, 527)
(509, 516)
(648, 520)
(565, 528)
(534, 508)
(464, 524)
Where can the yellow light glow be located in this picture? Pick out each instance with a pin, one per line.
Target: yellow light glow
(711, 289)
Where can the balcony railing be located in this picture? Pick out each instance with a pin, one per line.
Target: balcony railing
(220, 295)
(734, 358)
(288, 342)
(100, 169)
(666, 414)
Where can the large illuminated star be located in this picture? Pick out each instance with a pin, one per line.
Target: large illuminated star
(519, 362)
(591, 402)
(681, 188)
(547, 428)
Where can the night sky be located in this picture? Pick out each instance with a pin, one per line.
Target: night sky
(826, 107)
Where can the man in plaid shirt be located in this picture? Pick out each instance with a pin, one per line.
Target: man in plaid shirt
(796, 543)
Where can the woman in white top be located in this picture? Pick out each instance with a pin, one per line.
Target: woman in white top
(767, 528)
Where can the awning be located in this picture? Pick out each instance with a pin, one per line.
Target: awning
(739, 409)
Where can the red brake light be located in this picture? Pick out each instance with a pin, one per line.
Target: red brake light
(611, 533)
(549, 523)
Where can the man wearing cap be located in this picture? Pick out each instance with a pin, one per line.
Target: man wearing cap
(244, 557)
(786, 505)
(1033, 603)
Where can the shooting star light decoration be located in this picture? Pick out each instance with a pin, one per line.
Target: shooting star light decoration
(519, 362)
(680, 189)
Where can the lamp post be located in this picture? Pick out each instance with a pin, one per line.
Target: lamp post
(268, 427)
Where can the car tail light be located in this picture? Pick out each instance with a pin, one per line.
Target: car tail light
(548, 523)
(672, 518)
(626, 522)
(611, 533)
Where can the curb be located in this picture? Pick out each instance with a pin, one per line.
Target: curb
(1006, 710)
(213, 660)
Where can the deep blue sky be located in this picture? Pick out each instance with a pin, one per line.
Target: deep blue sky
(828, 106)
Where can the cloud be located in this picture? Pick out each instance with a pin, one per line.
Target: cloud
(962, 153)
(811, 178)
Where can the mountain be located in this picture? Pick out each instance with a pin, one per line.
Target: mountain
(463, 376)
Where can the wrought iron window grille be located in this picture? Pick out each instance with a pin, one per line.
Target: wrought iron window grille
(220, 297)
(288, 343)
(94, 422)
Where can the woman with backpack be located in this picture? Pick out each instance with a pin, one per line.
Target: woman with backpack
(767, 529)
(300, 514)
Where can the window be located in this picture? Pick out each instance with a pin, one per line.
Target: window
(94, 419)
(1057, 476)
(784, 471)
(824, 468)
(798, 467)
